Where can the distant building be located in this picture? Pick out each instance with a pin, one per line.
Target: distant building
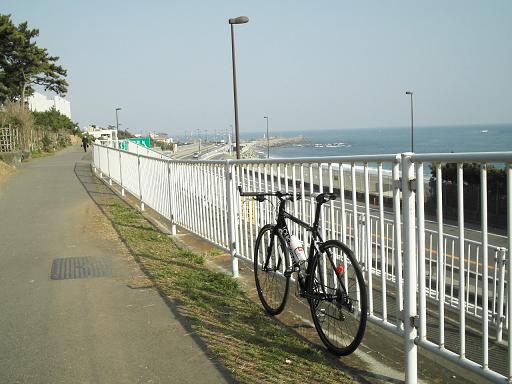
(108, 135)
(40, 103)
(161, 137)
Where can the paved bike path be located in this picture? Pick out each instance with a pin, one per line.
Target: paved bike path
(109, 328)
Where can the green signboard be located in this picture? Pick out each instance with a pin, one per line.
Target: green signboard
(143, 141)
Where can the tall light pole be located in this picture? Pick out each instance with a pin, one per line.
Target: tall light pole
(231, 137)
(412, 122)
(232, 22)
(117, 124)
(268, 139)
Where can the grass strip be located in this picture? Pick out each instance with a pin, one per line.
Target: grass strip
(252, 345)
(38, 154)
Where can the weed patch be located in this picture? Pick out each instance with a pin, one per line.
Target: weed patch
(252, 345)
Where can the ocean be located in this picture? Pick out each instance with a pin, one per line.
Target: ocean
(470, 138)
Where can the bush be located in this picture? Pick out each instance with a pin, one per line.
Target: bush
(19, 118)
(47, 143)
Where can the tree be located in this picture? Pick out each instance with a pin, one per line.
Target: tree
(496, 193)
(54, 120)
(23, 64)
(496, 177)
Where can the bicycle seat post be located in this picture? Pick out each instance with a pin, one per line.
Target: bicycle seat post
(318, 210)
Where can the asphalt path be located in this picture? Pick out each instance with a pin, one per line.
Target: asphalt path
(105, 327)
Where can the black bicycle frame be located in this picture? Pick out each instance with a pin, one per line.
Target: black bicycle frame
(283, 227)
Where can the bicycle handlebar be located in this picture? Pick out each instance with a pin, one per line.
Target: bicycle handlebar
(320, 198)
(261, 195)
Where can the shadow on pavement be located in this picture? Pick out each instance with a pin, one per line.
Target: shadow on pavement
(98, 192)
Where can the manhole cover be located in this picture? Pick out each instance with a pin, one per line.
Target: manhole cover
(80, 268)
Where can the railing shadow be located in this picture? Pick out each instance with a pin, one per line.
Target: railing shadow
(98, 192)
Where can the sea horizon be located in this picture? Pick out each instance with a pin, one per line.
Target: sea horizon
(365, 141)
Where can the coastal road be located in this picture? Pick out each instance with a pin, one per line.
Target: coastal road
(61, 326)
(185, 152)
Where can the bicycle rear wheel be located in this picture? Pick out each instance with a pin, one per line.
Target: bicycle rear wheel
(270, 262)
(337, 298)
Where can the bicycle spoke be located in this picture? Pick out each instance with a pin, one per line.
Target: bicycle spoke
(269, 266)
(336, 293)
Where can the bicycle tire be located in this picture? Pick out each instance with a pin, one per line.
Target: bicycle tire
(271, 284)
(339, 316)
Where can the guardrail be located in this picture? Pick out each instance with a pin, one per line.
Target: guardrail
(414, 271)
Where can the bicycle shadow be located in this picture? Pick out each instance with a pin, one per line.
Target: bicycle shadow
(351, 365)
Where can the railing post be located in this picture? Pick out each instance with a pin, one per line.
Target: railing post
(171, 205)
(140, 187)
(502, 260)
(228, 175)
(420, 212)
(99, 161)
(509, 267)
(93, 157)
(108, 166)
(410, 281)
(120, 171)
(398, 241)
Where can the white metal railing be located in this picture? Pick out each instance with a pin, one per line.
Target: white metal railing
(447, 276)
(134, 147)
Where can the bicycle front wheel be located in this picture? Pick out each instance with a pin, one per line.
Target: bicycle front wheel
(270, 262)
(337, 298)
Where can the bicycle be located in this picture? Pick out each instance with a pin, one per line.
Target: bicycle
(330, 278)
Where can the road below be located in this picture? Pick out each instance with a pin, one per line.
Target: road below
(75, 306)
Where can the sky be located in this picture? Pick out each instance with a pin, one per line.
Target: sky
(306, 64)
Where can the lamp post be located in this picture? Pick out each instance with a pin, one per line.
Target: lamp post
(231, 137)
(117, 124)
(268, 139)
(232, 22)
(412, 122)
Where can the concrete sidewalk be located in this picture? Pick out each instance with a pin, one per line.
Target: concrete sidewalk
(75, 306)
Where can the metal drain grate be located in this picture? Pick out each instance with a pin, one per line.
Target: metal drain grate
(80, 268)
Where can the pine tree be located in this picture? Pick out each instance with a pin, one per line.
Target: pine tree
(23, 64)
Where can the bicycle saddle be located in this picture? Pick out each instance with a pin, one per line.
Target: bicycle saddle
(323, 197)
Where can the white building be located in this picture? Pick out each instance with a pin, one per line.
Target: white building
(40, 103)
(161, 137)
(104, 135)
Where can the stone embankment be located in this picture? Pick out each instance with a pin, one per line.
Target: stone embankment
(257, 149)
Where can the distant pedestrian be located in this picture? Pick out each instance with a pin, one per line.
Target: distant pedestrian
(85, 142)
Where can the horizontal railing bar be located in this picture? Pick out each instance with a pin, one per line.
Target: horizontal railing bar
(464, 362)
(332, 159)
(168, 160)
(464, 157)
(386, 325)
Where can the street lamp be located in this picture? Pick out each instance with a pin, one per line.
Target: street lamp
(412, 122)
(237, 20)
(117, 125)
(268, 142)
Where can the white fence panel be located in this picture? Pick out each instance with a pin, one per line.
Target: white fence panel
(130, 173)
(461, 280)
(114, 165)
(154, 179)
